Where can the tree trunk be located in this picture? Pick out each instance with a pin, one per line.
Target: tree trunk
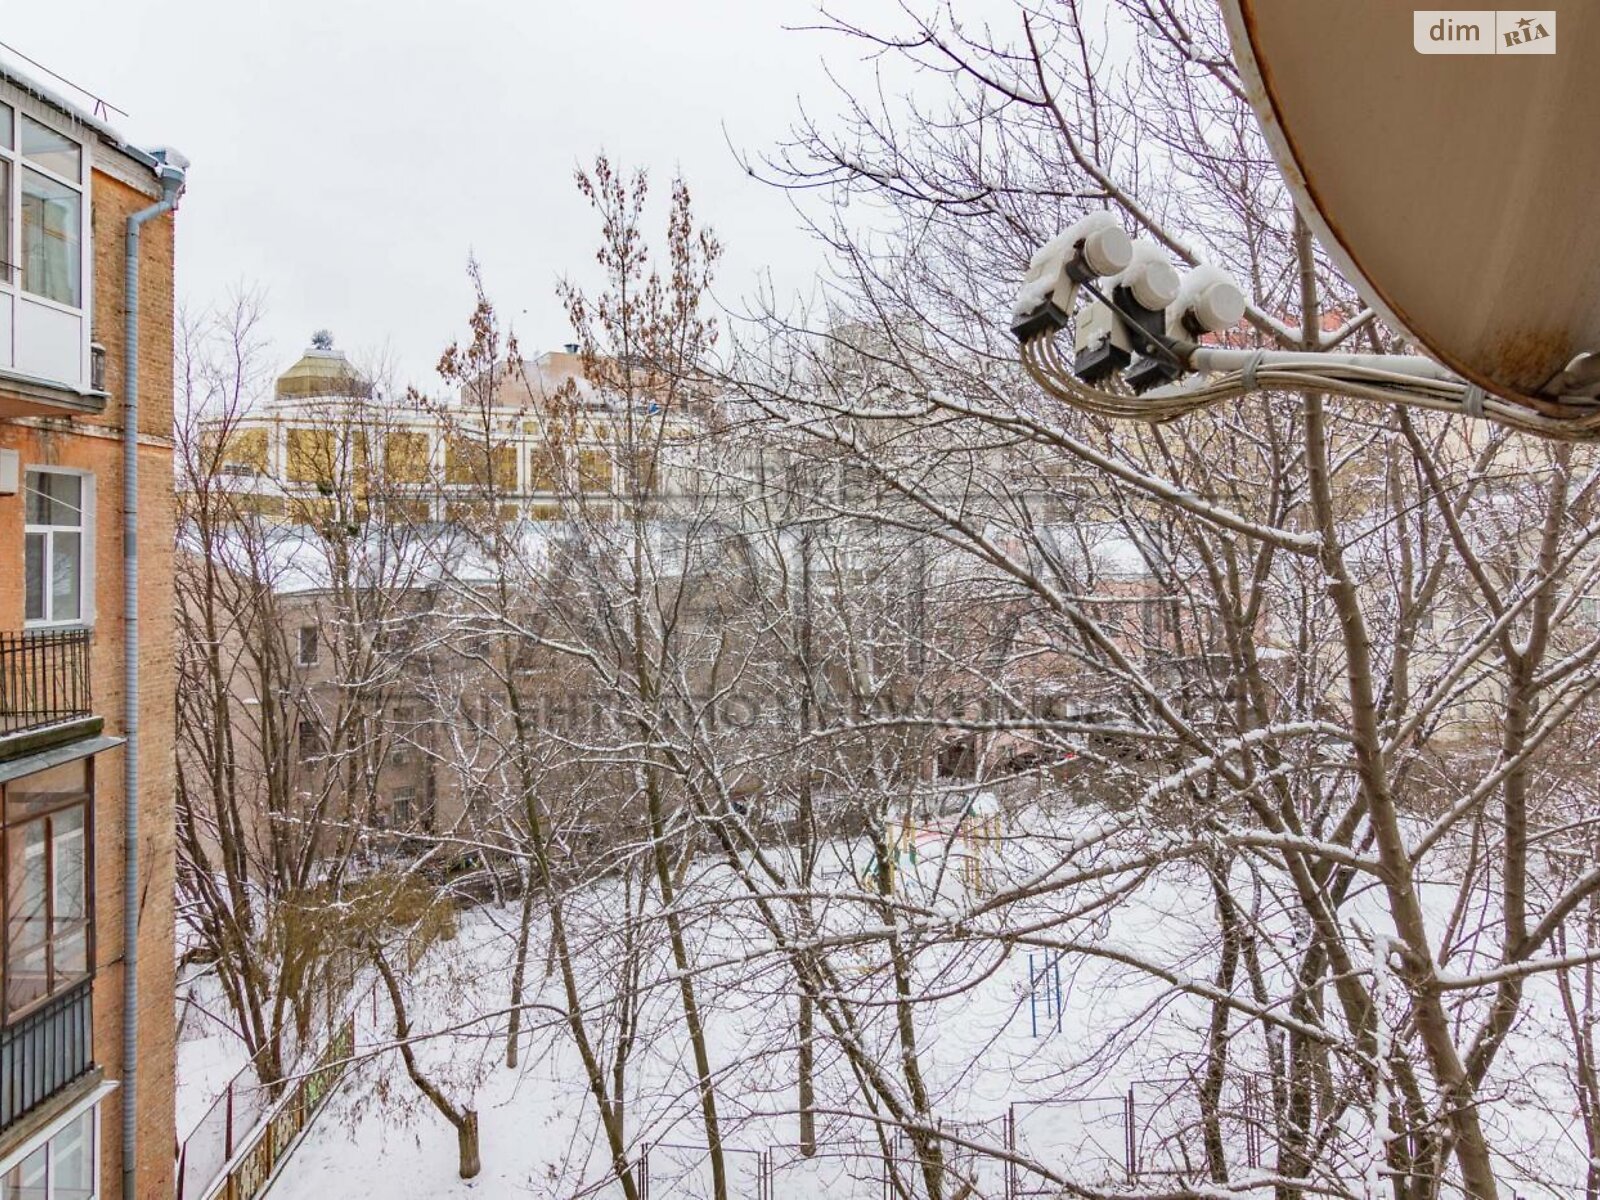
(519, 971)
(465, 1120)
(467, 1144)
(808, 1099)
(808, 853)
(1216, 1071)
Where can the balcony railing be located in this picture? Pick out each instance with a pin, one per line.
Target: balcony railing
(44, 678)
(44, 1051)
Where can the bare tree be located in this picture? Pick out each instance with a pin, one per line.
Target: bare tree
(287, 617)
(1357, 660)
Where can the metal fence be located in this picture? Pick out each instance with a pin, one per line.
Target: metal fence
(233, 1151)
(206, 1149)
(669, 1169)
(1088, 1138)
(865, 1168)
(1167, 1131)
(1150, 1131)
(251, 1169)
(1153, 1130)
(44, 678)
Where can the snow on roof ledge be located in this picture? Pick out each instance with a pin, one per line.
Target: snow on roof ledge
(24, 82)
(21, 79)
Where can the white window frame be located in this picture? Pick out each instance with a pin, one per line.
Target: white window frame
(20, 105)
(91, 1102)
(86, 544)
(11, 279)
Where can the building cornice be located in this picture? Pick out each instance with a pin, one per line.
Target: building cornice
(105, 433)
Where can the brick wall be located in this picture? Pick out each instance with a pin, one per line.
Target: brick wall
(94, 444)
(113, 203)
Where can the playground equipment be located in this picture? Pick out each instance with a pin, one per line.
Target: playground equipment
(1044, 993)
(971, 845)
(902, 853)
(980, 842)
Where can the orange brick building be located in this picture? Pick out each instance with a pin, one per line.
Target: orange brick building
(76, 197)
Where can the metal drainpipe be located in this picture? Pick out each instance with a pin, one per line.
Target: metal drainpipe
(170, 169)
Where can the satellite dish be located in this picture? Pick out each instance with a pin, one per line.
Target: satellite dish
(1451, 173)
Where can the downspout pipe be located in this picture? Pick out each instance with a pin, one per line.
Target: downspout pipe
(171, 169)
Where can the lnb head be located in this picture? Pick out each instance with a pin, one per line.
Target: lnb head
(1141, 293)
(1208, 301)
(1092, 247)
(1148, 278)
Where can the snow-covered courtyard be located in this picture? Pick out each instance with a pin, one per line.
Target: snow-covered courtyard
(1037, 1062)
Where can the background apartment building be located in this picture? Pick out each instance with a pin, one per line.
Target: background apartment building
(355, 509)
(70, 185)
(368, 521)
(326, 431)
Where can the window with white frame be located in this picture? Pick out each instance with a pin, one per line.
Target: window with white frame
(57, 529)
(51, 191)
(44, 230)
(62, 1168)
(310, 646)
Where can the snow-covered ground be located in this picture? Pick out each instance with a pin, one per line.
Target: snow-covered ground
(1122, 1063)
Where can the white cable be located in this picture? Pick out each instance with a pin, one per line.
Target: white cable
(1386, 379)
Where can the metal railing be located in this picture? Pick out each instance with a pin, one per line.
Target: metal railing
(236, 1149)
(45, 1051)
(251, 1169)
(44, 678)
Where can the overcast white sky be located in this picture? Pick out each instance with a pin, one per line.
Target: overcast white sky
(350, 154)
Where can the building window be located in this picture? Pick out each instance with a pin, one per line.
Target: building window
(63, 1168)
(56, 530)
(472, 462)
(309, 647)
(245, 453)
(5, 206)
(45, 232)
(541, 471)
(47, 883)
(403, 752)
(56, 152)
(52, 247)
(50, 174)
(403, 800)
(310, 737)
(405, 457)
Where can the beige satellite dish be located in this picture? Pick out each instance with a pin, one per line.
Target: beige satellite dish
(1453, 173)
